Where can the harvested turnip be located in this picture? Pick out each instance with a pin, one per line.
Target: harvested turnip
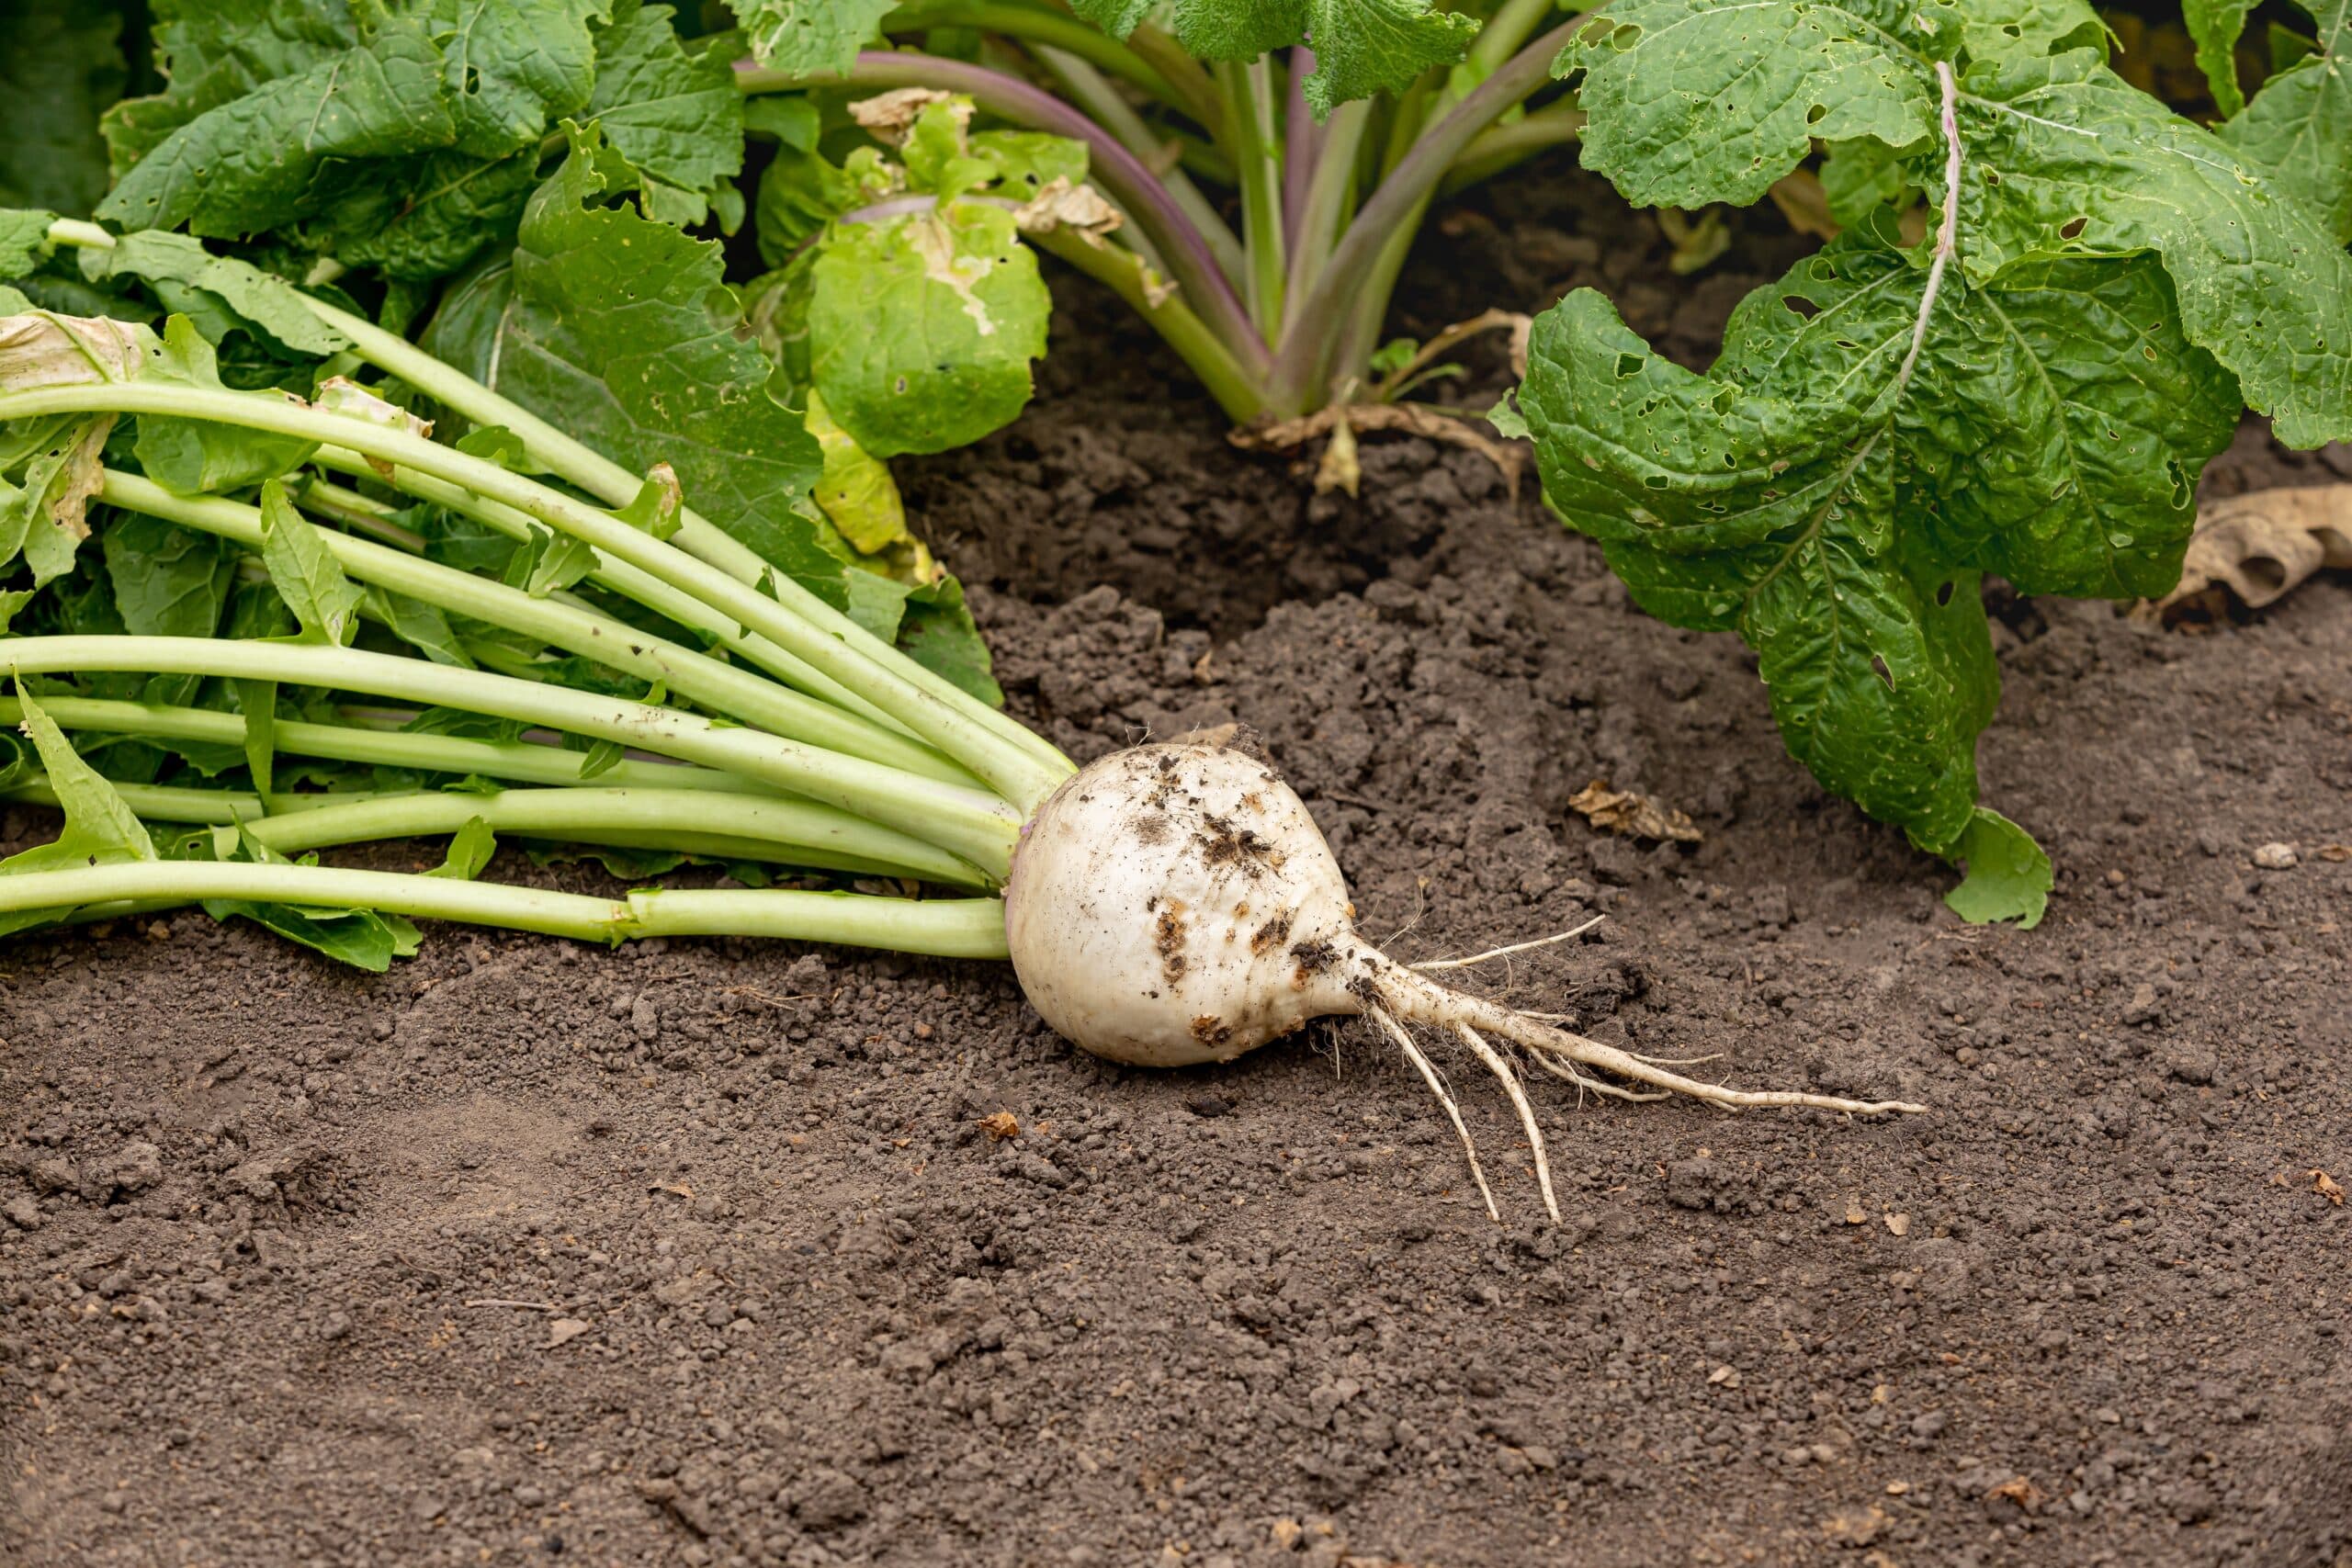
(1175, 904)
(1171, 904)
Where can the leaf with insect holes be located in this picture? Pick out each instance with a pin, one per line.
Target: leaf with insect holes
(676, 117)
(1696, 101)
(923, 327)
(816, 37)
(2298, 129)
(857, 491)
(1837, 516)
(256, 161)
(407, 139)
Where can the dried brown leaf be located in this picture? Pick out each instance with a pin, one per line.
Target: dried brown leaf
(888, 116)
(1061, 205)
(1636, 815)
(2260, 544)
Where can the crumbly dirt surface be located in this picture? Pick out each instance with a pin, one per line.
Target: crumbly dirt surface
(728, 1253)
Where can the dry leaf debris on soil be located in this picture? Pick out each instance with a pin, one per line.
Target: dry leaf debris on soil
(829, 1259)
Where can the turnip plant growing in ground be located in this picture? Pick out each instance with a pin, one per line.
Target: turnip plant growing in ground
(258, 623)
(1332, 127)
(2029, 384)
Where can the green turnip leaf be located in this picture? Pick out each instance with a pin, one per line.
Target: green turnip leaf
(1362, 47)
(677, 118)
(168, 580)
(623, 332)
(812, 35)
(1805, 495)
(255, 162)
(306, 574)
(2298, 129)
(2215, 25)
(2008, 876)
(99, 828)
(1693, 101)
(921, 327)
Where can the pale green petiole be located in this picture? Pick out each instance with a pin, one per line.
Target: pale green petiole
(656, 595)
(1016, 772)
(379, 746)
(948, 928)
(975, 826)
(694, 822)
(689, 673)
(858, 659)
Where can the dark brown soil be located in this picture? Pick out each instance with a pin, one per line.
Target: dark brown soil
(528, 1254)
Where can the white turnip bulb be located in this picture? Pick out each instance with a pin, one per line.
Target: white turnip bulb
(1175, 904)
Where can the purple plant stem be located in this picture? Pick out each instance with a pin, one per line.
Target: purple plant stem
(1133, 186)
(1302, 146)
(1305, 344)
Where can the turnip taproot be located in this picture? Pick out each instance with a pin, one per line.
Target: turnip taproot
(1175, 904)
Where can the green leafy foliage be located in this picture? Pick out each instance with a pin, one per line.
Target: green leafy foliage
(60, 67)
(168, 582)
(470, 851)
(191, 281)
(2215, 25)
(1362, 47)
(2008, 876)
(1836, 515)
(1873, 438)
(677, 118)
(362, 938)
(24, 243)
(99, 828)
(809, 35)
(421, 624)
(548, 562)
(408, 137)
(915, 321)
(305, 574)
(1693, 101)
(623, 330)
(2298, 129)
(251, 163)
(923, 328)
